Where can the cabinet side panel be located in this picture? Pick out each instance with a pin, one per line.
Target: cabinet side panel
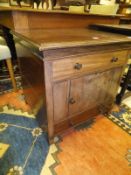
(32, 72)
(49, 99)
(114, 85)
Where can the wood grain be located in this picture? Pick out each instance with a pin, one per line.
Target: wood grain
(49, 98)
(67, 20)
(60, 100)
(38, 19)
(31, 69)
(89, 92)
(76, 100)
(67, 125)
(6, 19)
(20, 20)
(65, 68)
(48, 39)
(63, 53)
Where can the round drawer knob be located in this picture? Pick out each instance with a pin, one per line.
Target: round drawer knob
(114, 59)
(78, 66)
(71, 101)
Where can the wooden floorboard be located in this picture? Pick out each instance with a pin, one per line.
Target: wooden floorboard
(99, 150)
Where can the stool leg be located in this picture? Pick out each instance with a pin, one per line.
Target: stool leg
(11, 72)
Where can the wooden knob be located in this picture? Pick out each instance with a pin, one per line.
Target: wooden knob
(71, 101)
(78, 66)
(114, 59)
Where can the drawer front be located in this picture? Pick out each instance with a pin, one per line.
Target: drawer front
(68, 67)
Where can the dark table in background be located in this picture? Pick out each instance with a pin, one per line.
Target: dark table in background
(126, 30)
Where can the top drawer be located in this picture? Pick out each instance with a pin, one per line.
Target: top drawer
(72, 66)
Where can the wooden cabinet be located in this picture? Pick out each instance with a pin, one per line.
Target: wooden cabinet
(85, 85)
(75, 83)
(76, 88)
(73, 94)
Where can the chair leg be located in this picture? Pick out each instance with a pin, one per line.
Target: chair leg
(11, 72)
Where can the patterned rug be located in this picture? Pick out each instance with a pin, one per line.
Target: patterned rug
(49, 161)
(122, 118)
(6, 85)
(105, 157)
(103, 148)
(23, 146)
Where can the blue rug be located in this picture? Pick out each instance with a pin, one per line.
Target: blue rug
(25, 146)
(122, 118)
(6, 85)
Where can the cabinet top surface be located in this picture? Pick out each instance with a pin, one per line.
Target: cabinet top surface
(63, 38)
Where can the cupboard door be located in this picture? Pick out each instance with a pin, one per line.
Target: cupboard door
(85, 92)
(92, 91)
(60, 98)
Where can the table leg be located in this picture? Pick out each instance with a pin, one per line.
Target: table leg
(124, 87)
(10, 42)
